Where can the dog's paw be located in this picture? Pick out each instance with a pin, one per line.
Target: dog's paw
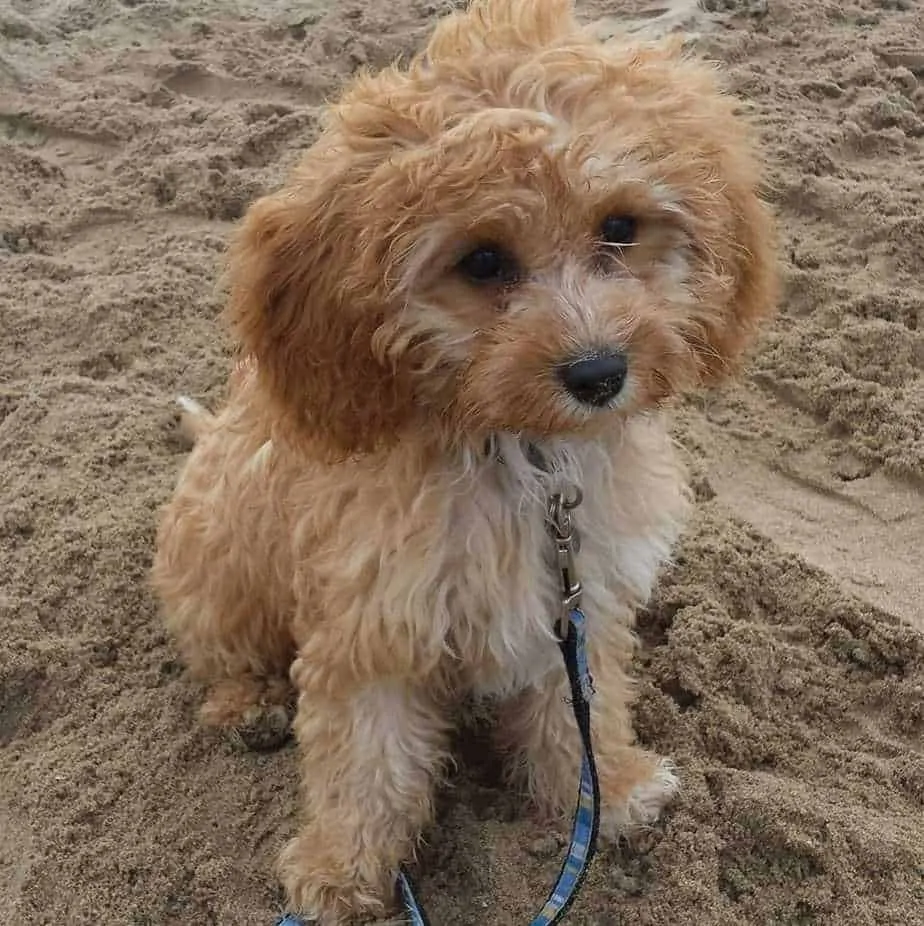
(264, 728)
(642, 805)
(323, 892)
(255, 713)
(649, 798)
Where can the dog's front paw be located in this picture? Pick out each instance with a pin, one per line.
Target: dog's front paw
(265, 728)
(256, 712)
(325, 893)
(635, 793)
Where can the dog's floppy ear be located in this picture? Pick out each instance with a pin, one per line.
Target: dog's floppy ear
(501, 25)
(755, 274)
(306, 307)
(743, 255)
(735, 276)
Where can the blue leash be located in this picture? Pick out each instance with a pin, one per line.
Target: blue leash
(587, 814)
(573, 643)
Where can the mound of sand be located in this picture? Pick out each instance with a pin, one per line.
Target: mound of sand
(783, 658)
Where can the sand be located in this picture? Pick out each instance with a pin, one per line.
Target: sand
(783, 655)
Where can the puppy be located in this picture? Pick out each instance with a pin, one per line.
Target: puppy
(479, 287)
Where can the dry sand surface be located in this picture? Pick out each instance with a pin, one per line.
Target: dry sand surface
(783, 657)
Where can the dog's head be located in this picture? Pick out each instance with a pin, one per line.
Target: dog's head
(525, 230)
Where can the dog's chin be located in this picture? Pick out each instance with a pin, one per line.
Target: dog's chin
(562, 424)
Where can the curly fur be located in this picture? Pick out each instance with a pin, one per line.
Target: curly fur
(339, 522)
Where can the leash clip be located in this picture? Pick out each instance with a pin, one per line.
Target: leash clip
(567, 543)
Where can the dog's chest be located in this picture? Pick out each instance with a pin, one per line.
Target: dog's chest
(452, 568)
(503, 585)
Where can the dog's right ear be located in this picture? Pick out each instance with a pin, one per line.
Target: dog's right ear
(306, 309)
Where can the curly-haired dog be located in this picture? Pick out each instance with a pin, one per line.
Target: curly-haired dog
(519, 246)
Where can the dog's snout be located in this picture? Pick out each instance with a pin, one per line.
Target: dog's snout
(595, 379)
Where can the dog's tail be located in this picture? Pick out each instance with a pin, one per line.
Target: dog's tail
(194, 418)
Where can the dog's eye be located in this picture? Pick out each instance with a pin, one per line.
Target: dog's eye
(488, 263)
(619, 229)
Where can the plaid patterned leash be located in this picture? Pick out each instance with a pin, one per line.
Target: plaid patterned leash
(573, 643)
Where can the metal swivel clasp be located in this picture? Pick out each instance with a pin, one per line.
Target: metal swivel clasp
(567, 540)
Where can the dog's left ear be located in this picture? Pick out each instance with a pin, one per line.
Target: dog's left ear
(755, 275)
(750, 274)
(737, 277)
(306, 307)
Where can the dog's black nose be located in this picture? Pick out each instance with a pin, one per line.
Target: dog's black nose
(595, 379)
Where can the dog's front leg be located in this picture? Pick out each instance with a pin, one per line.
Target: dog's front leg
(538, 730)
(370, 756)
